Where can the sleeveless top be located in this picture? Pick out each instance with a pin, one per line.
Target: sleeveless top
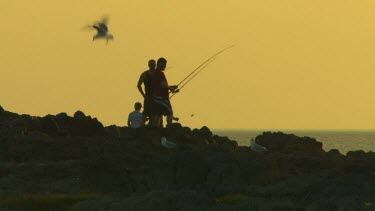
(159, 91)
(148, 83)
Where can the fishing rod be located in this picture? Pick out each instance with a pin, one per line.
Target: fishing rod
(208, 60)
(200, 68)
(213, 59)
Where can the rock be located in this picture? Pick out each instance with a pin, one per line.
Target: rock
(289, 143)
(358, 155)
(62, 119)
(322, 205)
(192, 168)
(335, 154)
(167, 200)
(349, 203)
(284, 205)
(92, 205)
(132, 169)
(85, 126)
(113, 130)
(205, 132)
(1, 109)
(49, 125)
(335, 158)
(79, 115)
(126, 132)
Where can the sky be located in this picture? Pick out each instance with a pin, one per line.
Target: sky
(296, 64)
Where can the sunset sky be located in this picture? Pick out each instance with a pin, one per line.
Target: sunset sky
(295, 64)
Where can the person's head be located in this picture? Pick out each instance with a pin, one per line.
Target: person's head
(138, 106)
(152, 64)
(161, 64)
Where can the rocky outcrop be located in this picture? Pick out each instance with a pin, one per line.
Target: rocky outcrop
(51, 125)
(64, 154)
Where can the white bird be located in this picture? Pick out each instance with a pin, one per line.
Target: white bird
(167, 144)
(256, 147)
(102, 31)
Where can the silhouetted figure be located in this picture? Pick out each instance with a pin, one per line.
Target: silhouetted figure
(135, 119)
(102, 31)
(146, 80)
(162, 105)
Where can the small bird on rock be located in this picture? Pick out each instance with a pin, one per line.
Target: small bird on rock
(256, 147)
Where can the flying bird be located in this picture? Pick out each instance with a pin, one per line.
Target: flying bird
(102, 30)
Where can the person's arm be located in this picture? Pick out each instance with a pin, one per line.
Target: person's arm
(129, 123)
(164, 83)
(139, 84)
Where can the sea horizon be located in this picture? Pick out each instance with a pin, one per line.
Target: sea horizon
(297, 129)
(344, 140)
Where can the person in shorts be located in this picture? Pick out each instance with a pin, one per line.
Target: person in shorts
(146, 80)
(162, 105)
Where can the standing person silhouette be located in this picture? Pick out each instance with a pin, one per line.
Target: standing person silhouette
(146, 80)
(162, 105)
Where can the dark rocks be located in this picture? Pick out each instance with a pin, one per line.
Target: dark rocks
(335, 154)
(289, 143)
(59, 125)
(79, 115)
(192, 168)
(205, 132)
(167, 200)
(358, 155)
(64, 154)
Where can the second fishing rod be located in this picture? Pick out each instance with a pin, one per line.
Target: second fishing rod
(197, 70)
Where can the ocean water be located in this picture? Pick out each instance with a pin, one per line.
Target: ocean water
(343, 140)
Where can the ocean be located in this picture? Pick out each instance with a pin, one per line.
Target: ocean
(343, 140)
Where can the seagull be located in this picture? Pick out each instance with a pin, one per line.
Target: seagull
(256, 147)
(102, 31)
(167, 144)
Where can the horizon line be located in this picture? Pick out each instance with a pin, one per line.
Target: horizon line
(297, 129)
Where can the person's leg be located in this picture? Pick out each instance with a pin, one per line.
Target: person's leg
(169, 119)
(156, 120)
(161, 121)
(144, 119)
(146, 111)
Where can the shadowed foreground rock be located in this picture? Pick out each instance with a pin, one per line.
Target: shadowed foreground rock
(130, 170)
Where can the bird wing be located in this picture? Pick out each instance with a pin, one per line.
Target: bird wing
(99, 29)
(105, 19)
(103, 27)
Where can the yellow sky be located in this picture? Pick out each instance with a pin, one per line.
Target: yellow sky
(295, 64)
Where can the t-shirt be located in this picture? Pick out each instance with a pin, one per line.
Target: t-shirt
(158, 90)
(135, 118)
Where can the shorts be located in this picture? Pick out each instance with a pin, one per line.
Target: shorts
(162, 106)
